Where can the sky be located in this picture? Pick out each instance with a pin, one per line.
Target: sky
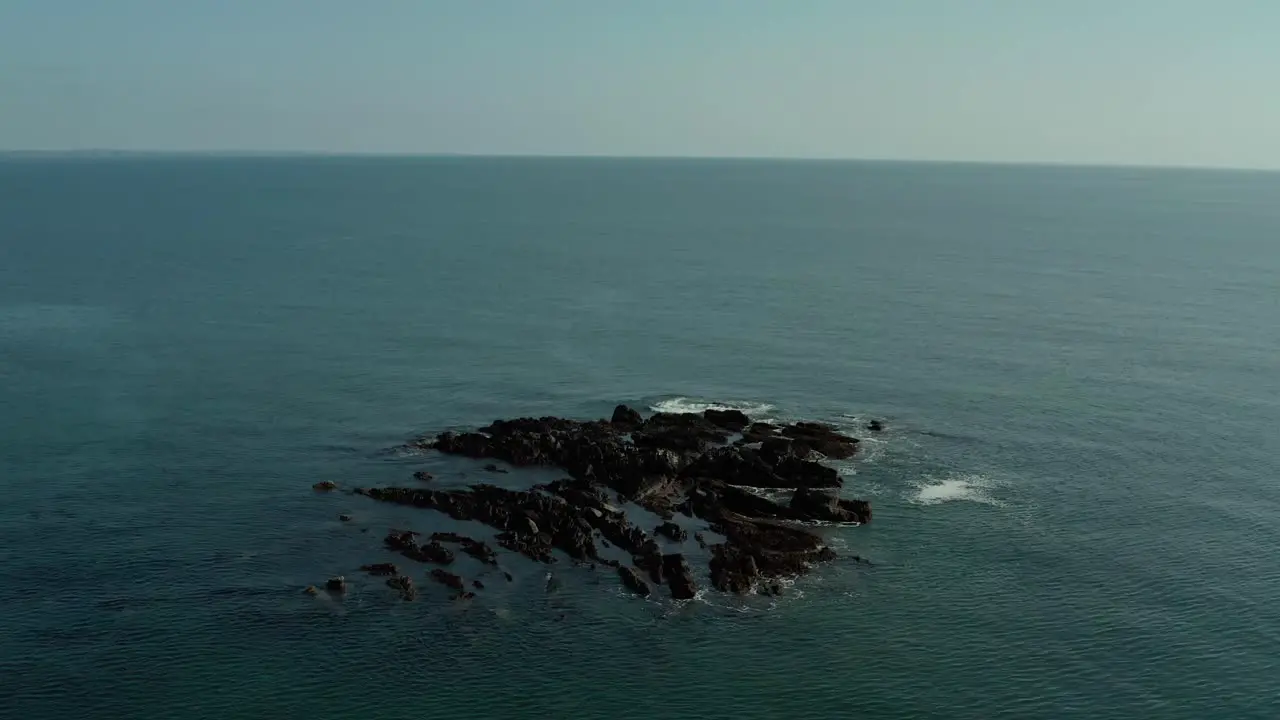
(1133, 82)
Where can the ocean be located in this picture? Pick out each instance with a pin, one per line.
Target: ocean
(1077, 498)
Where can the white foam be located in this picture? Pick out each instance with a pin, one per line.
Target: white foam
(954, 488)
(684, 405)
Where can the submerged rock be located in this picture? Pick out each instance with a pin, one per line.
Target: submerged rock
(381, 569)
(325, 485)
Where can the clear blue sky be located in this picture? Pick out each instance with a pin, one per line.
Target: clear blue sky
(1161, 82)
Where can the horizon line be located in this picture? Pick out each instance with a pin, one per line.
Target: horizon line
(231, 154)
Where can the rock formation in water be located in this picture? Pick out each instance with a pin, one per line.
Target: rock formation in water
(668, 464)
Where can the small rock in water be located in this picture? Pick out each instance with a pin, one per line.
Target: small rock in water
(336, 584)
(633, 582)
(507, 575)
(494, 469)
(404, 585)
(424, 476)
(325, 485)
(671, 531)
(447, 579)
(344, 517)
(311, 590)
(477, 584)
(875, 426)
(381, 569)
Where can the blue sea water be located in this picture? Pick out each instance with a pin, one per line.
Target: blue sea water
(1077, 503)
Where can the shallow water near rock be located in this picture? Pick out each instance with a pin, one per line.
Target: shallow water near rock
(1075, 502)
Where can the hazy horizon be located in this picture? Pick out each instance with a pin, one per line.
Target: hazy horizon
(1182, 83)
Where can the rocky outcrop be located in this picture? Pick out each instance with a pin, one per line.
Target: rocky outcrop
(667, 463)
(731, 420)
(823, 506)
(475, 548)
(679, 577)
(625, 418)
(448, 579)
(403, 585)
(381, 569)
(672, 531)
(632, 581)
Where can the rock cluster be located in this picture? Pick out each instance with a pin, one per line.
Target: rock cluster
(701, 466)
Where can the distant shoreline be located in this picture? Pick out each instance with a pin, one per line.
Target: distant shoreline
(109, 154)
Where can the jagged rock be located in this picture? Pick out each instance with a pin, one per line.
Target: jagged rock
(817, 505)
(672, 531)
(470, 546)
(633, 582)
(405, 542)
(477, 584)
(447, 579)
(666, 464)
(336, 584)
(344, 517)
(311, 590)
(819, 438)
(325, 485)
(381, 569)
(679, 578)
(626, 418)
(733, 420)
(424, 476)
(875, 426)
(465, 596)
(404, 585)
(702, 541)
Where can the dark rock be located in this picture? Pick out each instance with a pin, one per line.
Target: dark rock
(447, 579)
(626, 418)
(465, 596)
(734, 420)
(672, 531)
(759, 432)
(381, 569)
(733, 569)
(633, 582)
(405, 542)
(424, 476)
(404, 585)
(344, 518)
(875, 426)
(477, 584)
(817, 505)
(507, 575)
(679, 578)
(311, 590)
(702, 541)
(668, 463)
(470, 546)
(325, 485)
(494, 469)
(336, 584)
(819, 438)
